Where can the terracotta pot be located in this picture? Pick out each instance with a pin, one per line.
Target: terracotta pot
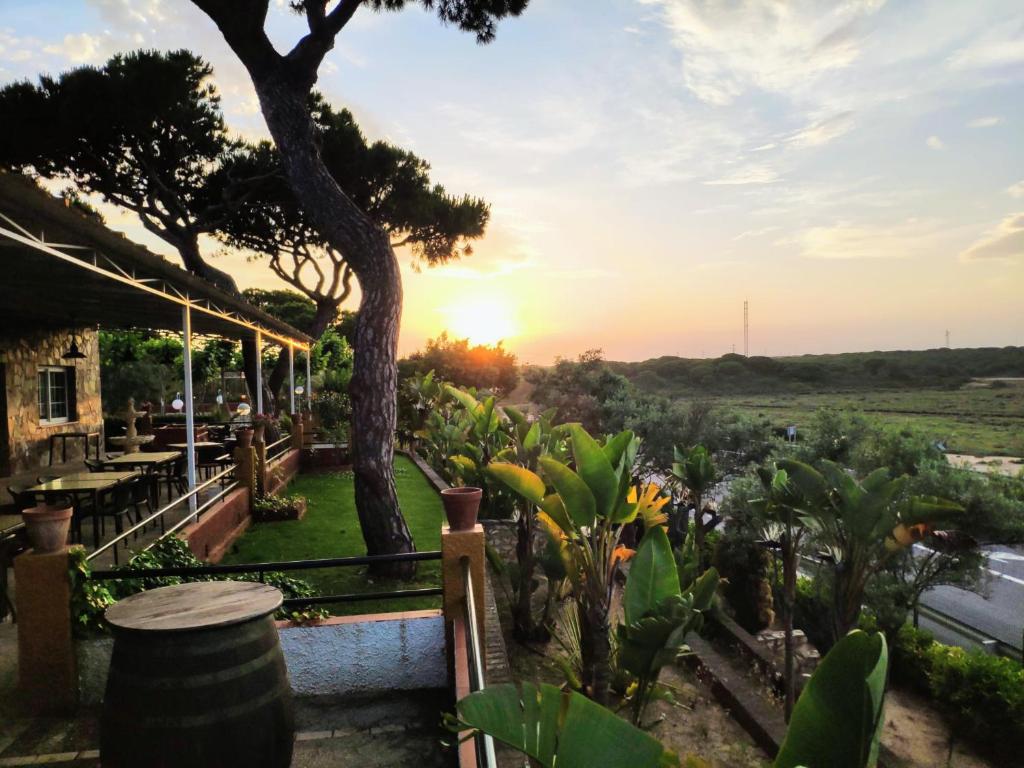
(47, 527)
(461, 506)
(258, 431)
(244, 438)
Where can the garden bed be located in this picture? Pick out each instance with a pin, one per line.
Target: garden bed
(330, 528)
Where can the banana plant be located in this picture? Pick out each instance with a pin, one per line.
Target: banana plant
(862, 524)
(779, 508)
(659, 615)
(838, 720)
(559, 730)
(584, 513)
(696, 472)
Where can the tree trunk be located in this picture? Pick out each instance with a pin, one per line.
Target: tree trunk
(524, 627)
(595, 651)
(192, 258)
(369, 252)
(788, 599)
(698, 532)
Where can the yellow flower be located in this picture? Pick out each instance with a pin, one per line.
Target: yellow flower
(649, 505)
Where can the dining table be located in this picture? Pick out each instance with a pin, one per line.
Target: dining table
(79, 484)
(149, 462)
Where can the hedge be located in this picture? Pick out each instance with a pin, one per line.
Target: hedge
(982, 694)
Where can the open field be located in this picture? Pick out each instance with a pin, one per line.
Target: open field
(978, 420)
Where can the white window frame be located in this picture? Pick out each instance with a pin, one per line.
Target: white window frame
(48, 370)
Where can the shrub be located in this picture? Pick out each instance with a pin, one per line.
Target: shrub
(981, 693)
(812, 612)
(744, 564)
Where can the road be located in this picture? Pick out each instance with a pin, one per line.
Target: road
(999, 612)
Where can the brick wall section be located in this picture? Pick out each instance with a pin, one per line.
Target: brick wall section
(218, 527)
(281, 471)
(22, 355)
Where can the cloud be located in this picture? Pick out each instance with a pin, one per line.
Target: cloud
(1000, 46)
(751, 174)
(730, 48)
(984, 122)
(1005, 243)
(867, 241)
(81, 48)
(822, 131)
(1016, 190)
(934, 142)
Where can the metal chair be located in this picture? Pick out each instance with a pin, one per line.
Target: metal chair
(47, 478)
(93, 465)
(117, 505)
(22, 496)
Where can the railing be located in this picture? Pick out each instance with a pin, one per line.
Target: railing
(484, 744)
(278, 448)
(261, 569)
(159, 514)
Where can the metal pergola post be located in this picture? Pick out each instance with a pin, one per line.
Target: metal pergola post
(291, 377)
(309, 378)
(259, 372)
(190, 420)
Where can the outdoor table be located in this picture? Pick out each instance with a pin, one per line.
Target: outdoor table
(148, 462)
(197, 678)
(93, 484)
(65, 436)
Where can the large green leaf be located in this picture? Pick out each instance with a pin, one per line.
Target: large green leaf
(521, 480)
(838, 717)
(576, 495)
(469, 402)
(596, 470)
(652, 575)
(561, 730)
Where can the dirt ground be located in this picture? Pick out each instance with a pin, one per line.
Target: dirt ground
(696, 725)
(918, 735)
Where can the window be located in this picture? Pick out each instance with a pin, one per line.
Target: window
(56, 395)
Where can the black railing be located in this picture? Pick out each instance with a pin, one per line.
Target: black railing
(484, 743)
(262, 569)
(278, 448)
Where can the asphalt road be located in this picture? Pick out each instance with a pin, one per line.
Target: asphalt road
(998, 612)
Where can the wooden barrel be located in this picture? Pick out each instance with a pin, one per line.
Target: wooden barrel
(197, 678)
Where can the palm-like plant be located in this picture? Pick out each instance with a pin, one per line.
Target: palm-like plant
(861, 524)
(695, 471)
(585, 513)
(779, 507)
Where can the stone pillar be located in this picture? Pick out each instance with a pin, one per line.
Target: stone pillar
(297, 431)
(47, 671)
(455, 546)
(245, 472)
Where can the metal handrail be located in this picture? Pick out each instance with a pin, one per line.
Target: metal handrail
(164, 510)
(284, 565)
(270, 446)
(485, 744)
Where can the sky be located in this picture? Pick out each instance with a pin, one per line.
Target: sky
(854, 170)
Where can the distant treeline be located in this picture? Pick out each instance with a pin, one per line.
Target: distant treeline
(813, 373)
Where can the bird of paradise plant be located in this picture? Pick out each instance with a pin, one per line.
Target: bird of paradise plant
(585, 511)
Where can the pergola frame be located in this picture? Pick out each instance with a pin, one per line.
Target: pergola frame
(128, 273)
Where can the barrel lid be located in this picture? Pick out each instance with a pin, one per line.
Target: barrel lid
(198, 605)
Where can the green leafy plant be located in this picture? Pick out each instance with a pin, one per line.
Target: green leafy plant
(272, 507)
(659, 615)
(696, 472)
(838, 719)
(559, 730)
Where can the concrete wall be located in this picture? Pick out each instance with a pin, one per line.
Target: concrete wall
(22, 355)
(367, 654)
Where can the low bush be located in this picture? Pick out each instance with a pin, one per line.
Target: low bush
(744, 564)
(90, 599)
(812, 612)
(982, 694)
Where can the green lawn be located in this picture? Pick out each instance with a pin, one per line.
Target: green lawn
(331, 529)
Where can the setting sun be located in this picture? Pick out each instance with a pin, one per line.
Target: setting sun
(481, 319)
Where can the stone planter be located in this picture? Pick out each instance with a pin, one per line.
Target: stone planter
(325, 457)
(47, 527)
(289, 509)
(461, 506)
(244, 438)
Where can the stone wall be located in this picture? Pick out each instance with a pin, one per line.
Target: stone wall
(22, 356)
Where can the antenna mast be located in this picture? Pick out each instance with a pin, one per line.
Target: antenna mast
(746, 329)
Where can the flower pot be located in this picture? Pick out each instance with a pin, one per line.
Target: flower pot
(258, 429)
(244, 438)
(461, 506)
(47, 527)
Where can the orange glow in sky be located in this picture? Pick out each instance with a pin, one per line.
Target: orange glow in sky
(481, 319)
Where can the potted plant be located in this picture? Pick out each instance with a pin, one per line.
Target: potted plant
(461, 506)
(259, 426)
(271, 508)
(46, 526)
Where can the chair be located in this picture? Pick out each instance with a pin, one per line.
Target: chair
(176, 480)
(47, 478)
(143, 490)
(117, 506)
(23, 498)
(94, 465)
